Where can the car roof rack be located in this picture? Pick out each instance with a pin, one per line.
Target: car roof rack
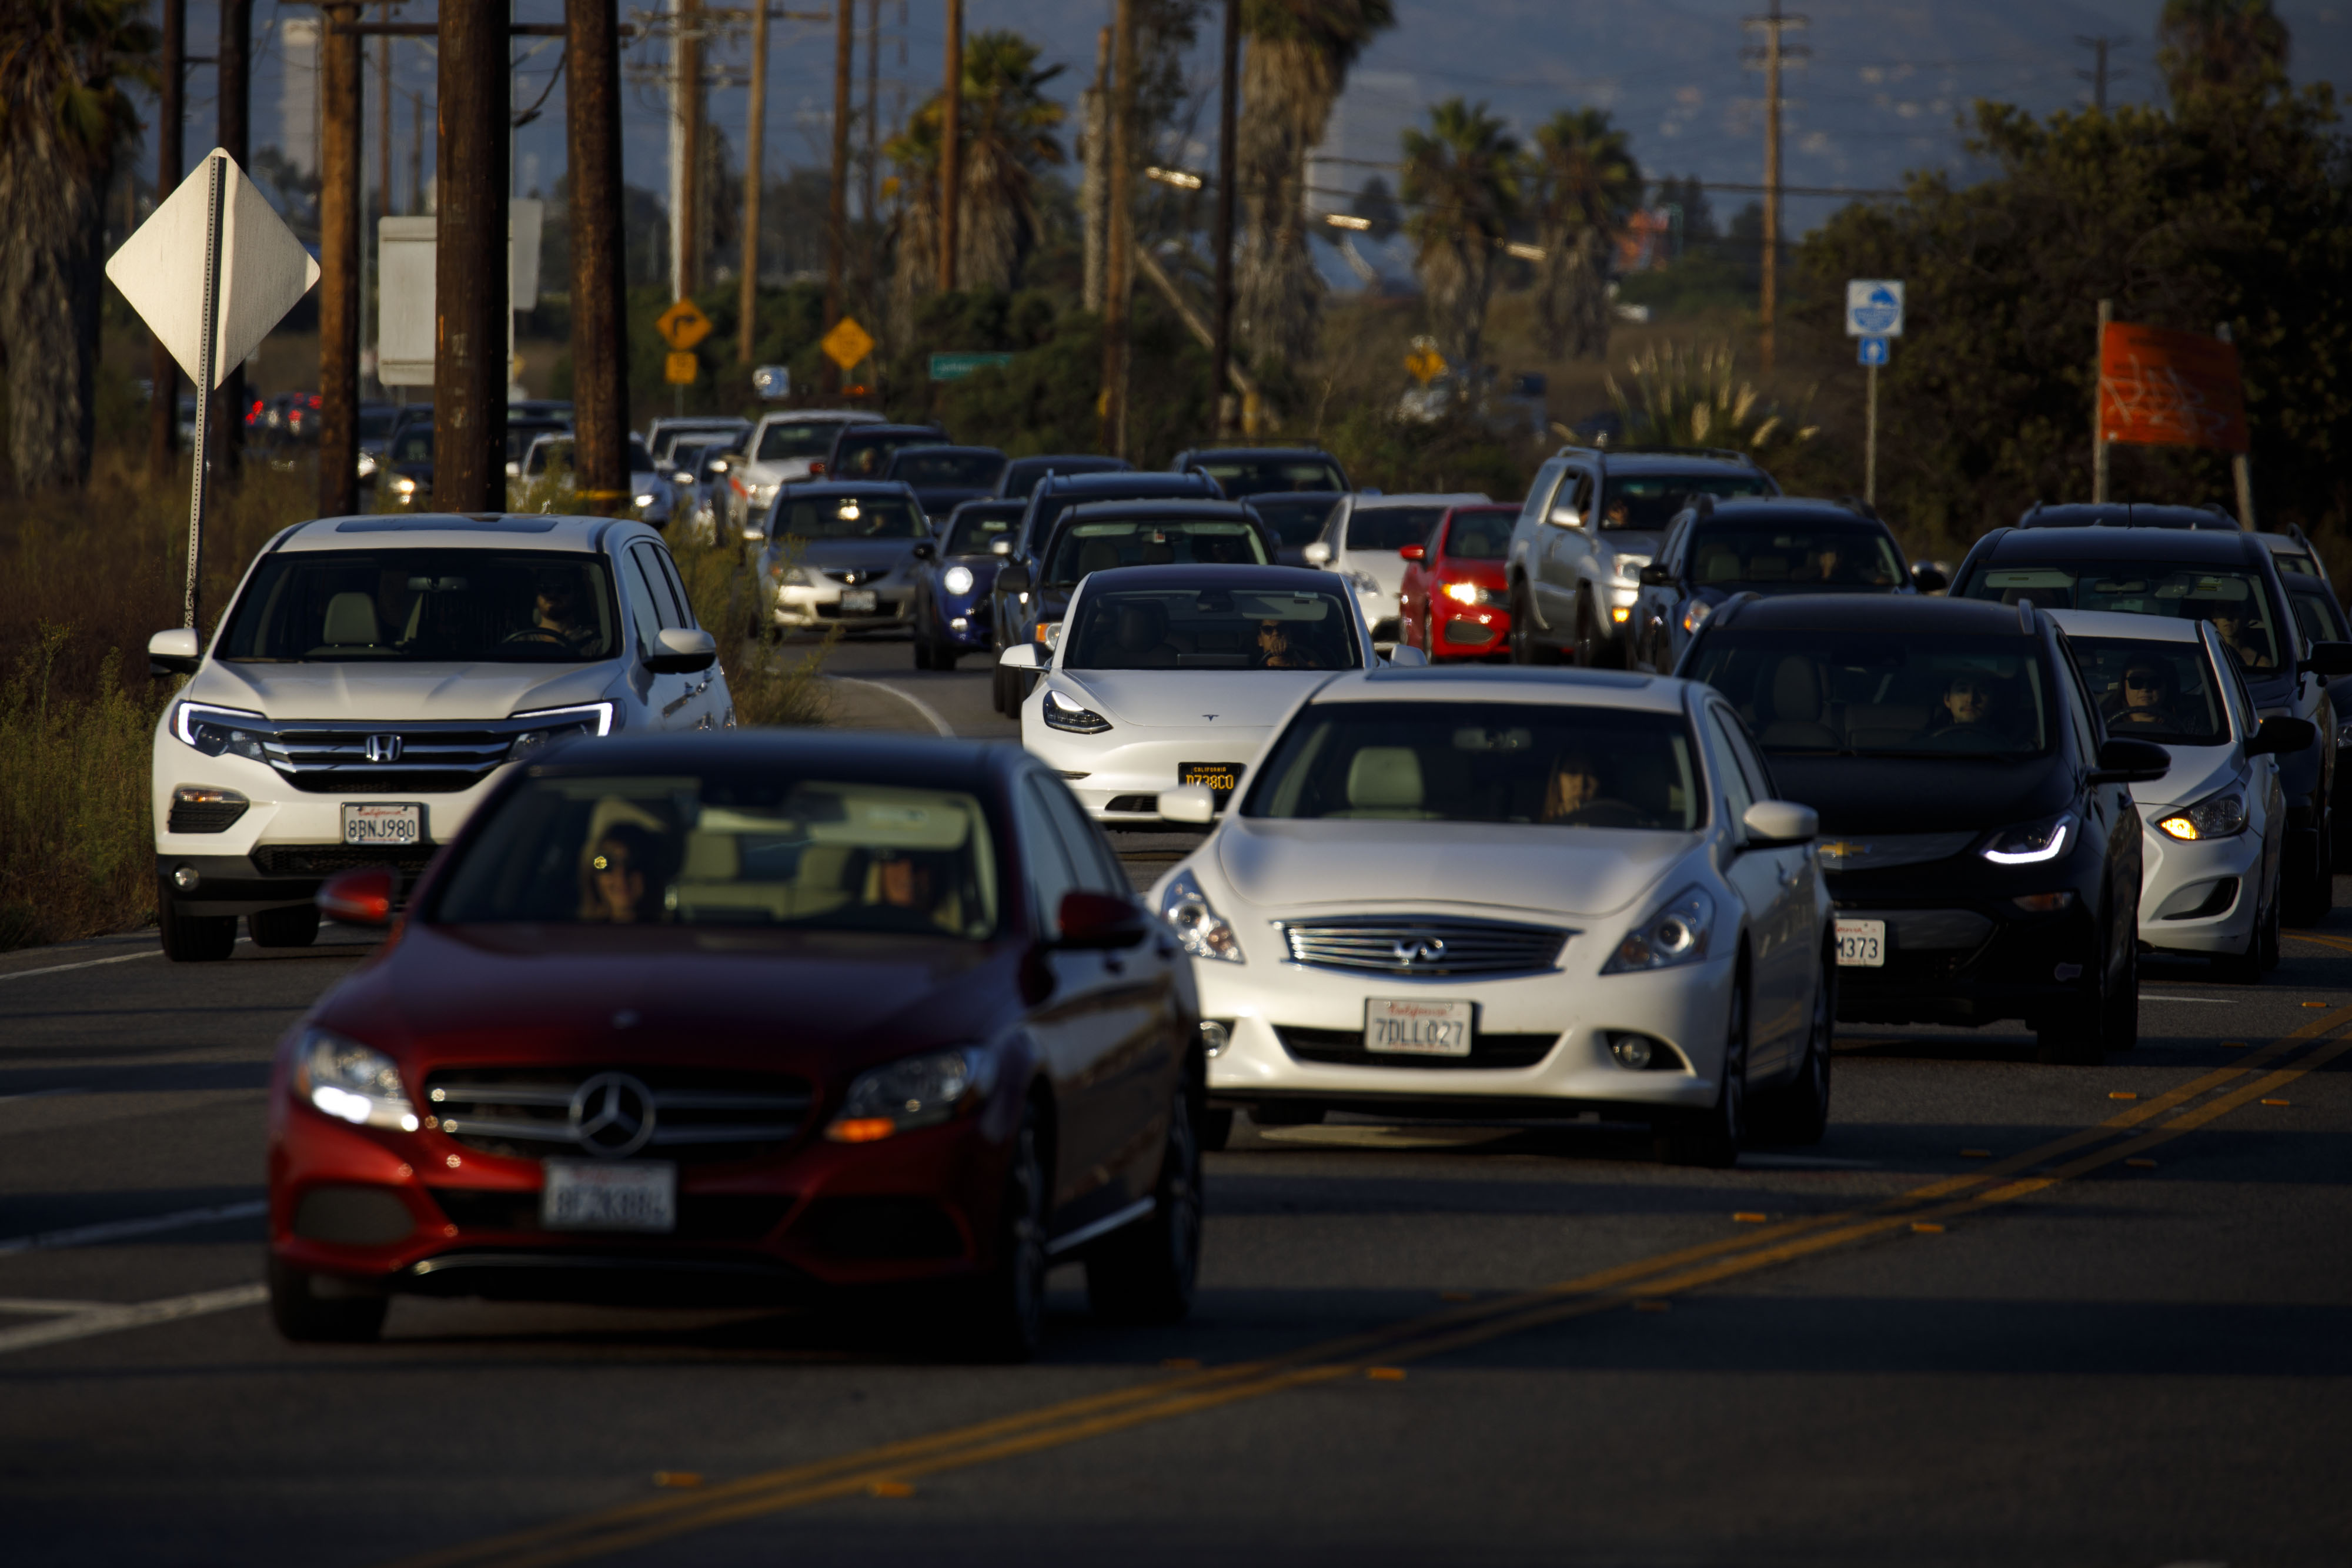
(1720, 454)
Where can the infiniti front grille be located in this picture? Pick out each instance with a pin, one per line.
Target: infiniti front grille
(1423, 944)
(697, 1115)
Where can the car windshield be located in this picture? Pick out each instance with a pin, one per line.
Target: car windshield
(521, 436)
(1482, 535)
(375, 423)
(733, 848)
(864, 457)
(640, 460)
(2229, 597)
(2152, 691)
(849, 518)
(439, 606)
(1548, 764)
(1384, 530)
(2321, 620)
(415, 446)
(1649, 502)
(947, 470)
(1212, 629)
(976, 526)
(788, 442)
(1882, 694)
(1087, 546)
(1297, 521)
(1770, 554)
(1241, 477)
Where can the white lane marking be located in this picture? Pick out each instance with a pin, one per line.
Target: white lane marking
(85, 964)
(2160, 997)
(930, 713)
(116, 1229)
(113, 1320)
(40, 1094)
(1805, 1162)
(43, 1304)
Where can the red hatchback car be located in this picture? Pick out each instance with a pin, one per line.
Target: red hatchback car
(740, 1018)
(1454, 604)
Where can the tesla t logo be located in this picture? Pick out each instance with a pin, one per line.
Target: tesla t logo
(383, 748)
(1212, 717)
(1428, 950)
(612, 1115)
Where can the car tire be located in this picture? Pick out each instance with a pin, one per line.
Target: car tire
(1711, 1138)
(1288, 1114)
(1798, 1112)
(2248, 968)
(1525, 648)
(1003, 1315)
(297, 926)
(1216, 1129)
(300, 1314)
(1146, 1273)
(944, 655)
(996, 691)
(192, 938)
(2081, 1034)
(922, 651)
(2310, 894)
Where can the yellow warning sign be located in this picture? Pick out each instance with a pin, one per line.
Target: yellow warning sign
(1425, 364)
(682, 326)
(847, 343)
(680, 369)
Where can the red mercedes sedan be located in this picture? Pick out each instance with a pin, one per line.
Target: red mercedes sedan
(1454, 604)
(745, 1017)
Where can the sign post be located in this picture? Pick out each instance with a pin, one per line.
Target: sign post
(682, 326)
(847, 344)
(1873, 314)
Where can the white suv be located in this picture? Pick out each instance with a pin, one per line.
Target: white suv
(782, 448)
(372, 678)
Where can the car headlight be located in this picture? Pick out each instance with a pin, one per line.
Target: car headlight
(1202, 931)
(367, 464)
(1365, 582)
(1465, 593)
(643, 500)
(2218, 816)
(1676, 934)
(405, 486)
(351, 1082)
(556, 723)
(1061, 713)
(763, 494)
(2028, 843)
(919, 1092)
(1694, 615)
(1629, 567)
(215, 730)
(956, 580)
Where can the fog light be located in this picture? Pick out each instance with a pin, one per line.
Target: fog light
(1214, 1037)
(1634, 1053)
(186, 879)
(1618, 613)
(2044, 903)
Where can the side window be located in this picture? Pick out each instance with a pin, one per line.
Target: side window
(1670, 553)
(1752, 765)
(639, 593)
(1097, 868)
(1049, 871)
(2233, 690)
(649, 563)
(2089, 727)
(1539, 493)
(676, 588)
(1581, 498)
(1738, 794)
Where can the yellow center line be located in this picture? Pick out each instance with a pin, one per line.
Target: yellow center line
(1685, 1269)
(2338, 943)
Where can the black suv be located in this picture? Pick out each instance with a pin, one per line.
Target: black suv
(2230, 580)
(1977, 828)
(2126, 515)
(1244, 471)
(1054, 495)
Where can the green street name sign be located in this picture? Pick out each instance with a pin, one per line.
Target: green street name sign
(956, 366)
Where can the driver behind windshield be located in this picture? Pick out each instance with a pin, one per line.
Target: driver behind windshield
(1575, 785)
(2144, 696)
(1969, 702)
(557, 615)
(2242, 632)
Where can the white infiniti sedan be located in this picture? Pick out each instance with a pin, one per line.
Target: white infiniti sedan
(1168, 675)
(1514, 892)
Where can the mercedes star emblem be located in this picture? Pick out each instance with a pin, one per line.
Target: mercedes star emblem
(613, 1115)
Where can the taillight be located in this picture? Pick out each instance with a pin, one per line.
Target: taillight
(816, 468)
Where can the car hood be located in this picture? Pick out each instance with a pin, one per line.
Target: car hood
(1630, 541)
(1190, 698)
(865, 554)
(2197, 771)
(1922, 795)
(1384, 567)
(375, 692)
(1573, 872)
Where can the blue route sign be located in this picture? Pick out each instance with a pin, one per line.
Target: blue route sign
(1874, 308)
(1873, 351)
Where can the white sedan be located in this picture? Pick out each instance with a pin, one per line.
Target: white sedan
(2211, 827)
(1176, 675)
(1515, 892)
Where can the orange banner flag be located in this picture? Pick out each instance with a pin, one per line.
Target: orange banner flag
(2159, 388)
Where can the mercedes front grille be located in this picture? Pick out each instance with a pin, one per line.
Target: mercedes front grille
(697, 1115)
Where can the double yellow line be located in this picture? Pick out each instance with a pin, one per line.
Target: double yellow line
(2129, 1133)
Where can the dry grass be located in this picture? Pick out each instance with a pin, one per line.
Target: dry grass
(770, 685)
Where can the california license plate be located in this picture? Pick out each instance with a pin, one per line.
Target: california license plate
(384, 825)
(1221, 778)
(1862, 944)
(1408, 1026)
(859, 601)
(624, 1195)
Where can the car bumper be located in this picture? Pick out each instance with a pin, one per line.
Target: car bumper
(1968, 965)
(1462, 633)
(2200, 897)
(800, 609)
(1118, 775)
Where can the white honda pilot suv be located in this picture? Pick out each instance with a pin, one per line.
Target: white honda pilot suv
(371, 679)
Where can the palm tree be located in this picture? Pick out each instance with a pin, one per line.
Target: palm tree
(64, 116)
(1299, 57)
(2219, 46)
(1462, 177)
(1582, 184)
(1005, 126)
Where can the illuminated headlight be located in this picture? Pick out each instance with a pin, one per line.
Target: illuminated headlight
(920, 1091)
(367, 464)
(643, 500)
(556, 723)
(2219, 816)
(1469, 593)
(403, 485)
(1061, 713)
(956, 580)
(1629, 567)
(1694, 615)
(351, 1082)
(1199, 929)
(763, 494)
(1677, 934)
(215, 730)
(2028, 843)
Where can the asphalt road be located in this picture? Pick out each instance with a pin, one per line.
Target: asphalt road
(2005, 1313)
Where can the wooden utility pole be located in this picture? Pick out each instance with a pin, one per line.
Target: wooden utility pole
(755, 140)
(1094, 180)
(164, 371)
(469, 263)
(1774, 53)
(951, 148)
(686, 94)
(1119, 270)
(1221, 351)
(340, 200)
(870, 161)
(2098, 399)
(845, 38)
(600, 349)
(2241, 465)
(233, 68)
(417, 155)
(384, 115)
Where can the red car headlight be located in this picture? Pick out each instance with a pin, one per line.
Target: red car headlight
(351, 1082)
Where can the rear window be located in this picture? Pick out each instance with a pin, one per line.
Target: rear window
(787, 443)
(1241, 477)
(1649, 502)
(2233, 598)
(1098, 546)
(849, 518)
(1878, 693)
(1386, 529)
(1832, 555)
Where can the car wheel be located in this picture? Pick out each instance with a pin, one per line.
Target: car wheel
(2081, 1033)
(922, 651)
(1216, 1129)
(1525, 648)
(2270, 929)
(944, 655)
(997, 689)
(1588, 636)
(2248, 968)
(1145, 1273)
(294, 927)
(1004, 1315)
(2312, 891)
(1712, 1138)
(1798, 1111)
(300, 1314)
(192, 938)
(1287, 1114)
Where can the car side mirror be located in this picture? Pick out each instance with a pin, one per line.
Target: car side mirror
(1014, 579)
(2123, 761)
(2279, 736)
(2327, 659)
(925, 550)
(1406, 656)
(1655, 576)
(1413, 552)
(1100, 920)
(999, 547)
(359, 896)
(1022, 656)
(1565, 517)
(175, 652)
(1926, 579)
(1774, 824)
(1188, 803)
(680, 653)
(1317, 554)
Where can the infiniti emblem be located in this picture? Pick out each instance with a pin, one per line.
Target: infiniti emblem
(612, 1115)
(383, 748)
(1428, 950)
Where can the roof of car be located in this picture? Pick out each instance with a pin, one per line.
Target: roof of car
(860, 754)
(1871, 612)
(1209, 508)
(2125, 515)
(1458, 499)
(1297, 578)
(1165, 483)
(1778, 509)
(2199, 546)
(2286, 544)
(1621, 460)
(2113, 623)
(451, 530)
(946, 447)
(1507, 683)
(799, 489)
(821, 417)
(1203, 454)
(1096, 462)
(903, 430)
(1011, 509)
